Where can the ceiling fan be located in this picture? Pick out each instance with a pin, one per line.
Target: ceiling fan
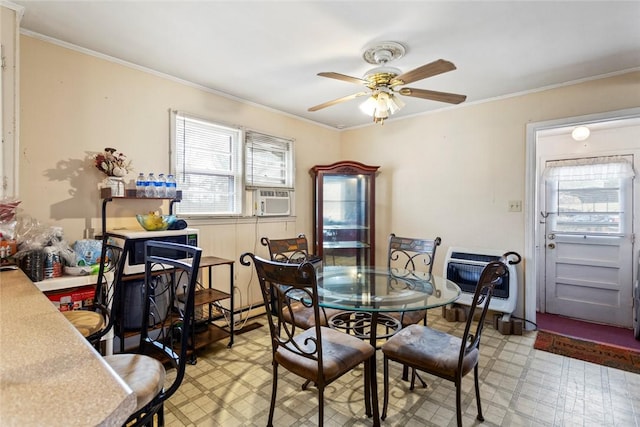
(383, 82)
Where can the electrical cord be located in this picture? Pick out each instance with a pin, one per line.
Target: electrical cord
(526, 321)
(237, 326)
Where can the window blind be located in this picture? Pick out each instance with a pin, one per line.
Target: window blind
(268, 161)
(208, 167)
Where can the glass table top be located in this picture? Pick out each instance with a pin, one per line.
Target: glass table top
(382, 289)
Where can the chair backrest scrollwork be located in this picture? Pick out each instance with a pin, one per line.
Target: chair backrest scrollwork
(289, 250)
(289, 284)
(412, 254)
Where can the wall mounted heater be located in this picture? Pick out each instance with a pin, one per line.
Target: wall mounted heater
(272, 202)
(464, 266)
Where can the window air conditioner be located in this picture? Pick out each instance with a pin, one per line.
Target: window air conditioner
(272, 203)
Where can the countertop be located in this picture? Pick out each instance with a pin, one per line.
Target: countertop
(49, 374)
(66, 282)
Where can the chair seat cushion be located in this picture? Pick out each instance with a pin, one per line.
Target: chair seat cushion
(143, 374)
(429, 350)
(303, 315)
(86, 322)
(340, 353)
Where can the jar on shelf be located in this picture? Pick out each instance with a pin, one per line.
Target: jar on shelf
(116, 184)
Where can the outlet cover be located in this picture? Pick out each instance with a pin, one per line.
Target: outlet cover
(515, 205)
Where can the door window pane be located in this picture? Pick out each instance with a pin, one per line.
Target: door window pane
(588, 196)
(588, 206)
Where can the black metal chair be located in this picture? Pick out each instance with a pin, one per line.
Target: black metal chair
(95, 323)
(318, 354)
(290, 250)
(446, 356)
(412, 254)
(295, 250)
(165, 333)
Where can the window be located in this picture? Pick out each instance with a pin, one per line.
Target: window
(208, 166)
(268, 161)
(589, 195)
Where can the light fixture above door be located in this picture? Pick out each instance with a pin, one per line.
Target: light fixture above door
(580, 133)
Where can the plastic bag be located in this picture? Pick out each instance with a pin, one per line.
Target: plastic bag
(88, 251)
(31, 234)
(8, 209)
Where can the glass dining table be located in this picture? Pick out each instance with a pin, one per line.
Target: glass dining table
(367, 297)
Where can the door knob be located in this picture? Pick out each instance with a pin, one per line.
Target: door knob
(551, 246)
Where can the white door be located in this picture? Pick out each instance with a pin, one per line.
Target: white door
(588, 239)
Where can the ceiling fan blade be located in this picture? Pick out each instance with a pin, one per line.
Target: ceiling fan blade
(432, 69)
(337, 101)
(343, 77)
(451, 98)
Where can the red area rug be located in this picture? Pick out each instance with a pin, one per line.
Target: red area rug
(601, 344)
(588, 331)
(589, 351)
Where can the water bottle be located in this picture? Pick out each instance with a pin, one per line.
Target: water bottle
(161, 185)
(140, 185)
(151, 190)
(171, 187)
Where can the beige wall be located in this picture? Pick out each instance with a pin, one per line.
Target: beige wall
(449, 174)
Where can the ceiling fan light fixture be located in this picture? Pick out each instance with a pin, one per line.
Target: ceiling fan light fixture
(383, 102)
(380, 105)
(381, 114)
(368, 107)
(395, 104)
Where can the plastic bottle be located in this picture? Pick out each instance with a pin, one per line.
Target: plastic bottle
(171, 186)
(140, 185)
(151, 190)
(161, 185)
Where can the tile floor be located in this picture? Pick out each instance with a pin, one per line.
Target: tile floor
(520, 386)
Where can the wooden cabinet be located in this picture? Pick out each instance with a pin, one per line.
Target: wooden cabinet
(344, 213)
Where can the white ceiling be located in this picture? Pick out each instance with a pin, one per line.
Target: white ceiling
(269, 52)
